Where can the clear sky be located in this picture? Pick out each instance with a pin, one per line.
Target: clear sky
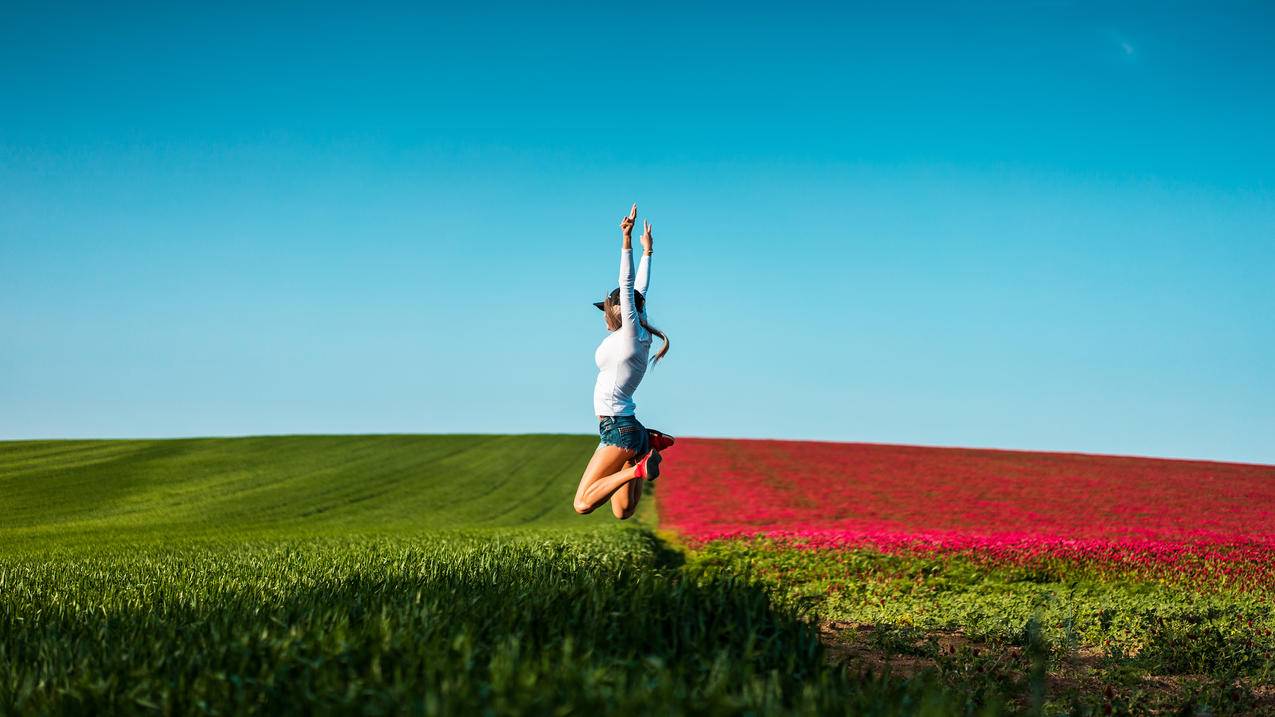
(1041, 225)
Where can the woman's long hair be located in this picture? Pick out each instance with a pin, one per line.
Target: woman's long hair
(614, 323)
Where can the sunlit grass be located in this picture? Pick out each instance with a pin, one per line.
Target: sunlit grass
(372, 575)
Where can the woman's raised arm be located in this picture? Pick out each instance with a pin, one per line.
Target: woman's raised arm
(628, 308)
(644, 266)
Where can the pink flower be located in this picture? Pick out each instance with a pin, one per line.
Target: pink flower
(1151, 516)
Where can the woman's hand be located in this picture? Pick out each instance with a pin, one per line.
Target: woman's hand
(647, 239)
(626, 224)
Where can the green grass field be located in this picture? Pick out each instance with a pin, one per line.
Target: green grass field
(450, 575)
(372, 575)
(65, 491)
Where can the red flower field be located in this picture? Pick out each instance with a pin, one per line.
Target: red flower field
(1175, 516)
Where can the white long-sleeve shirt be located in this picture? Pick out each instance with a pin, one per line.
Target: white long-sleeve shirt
(622, 355)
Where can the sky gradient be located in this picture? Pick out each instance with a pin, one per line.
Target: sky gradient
(1039, 226)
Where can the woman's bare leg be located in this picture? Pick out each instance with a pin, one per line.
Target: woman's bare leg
(624, 501)
(605, 474)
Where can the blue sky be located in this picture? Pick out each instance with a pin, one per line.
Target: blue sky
(1021, 225)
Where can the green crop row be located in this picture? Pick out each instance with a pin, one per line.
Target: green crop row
(506, 621)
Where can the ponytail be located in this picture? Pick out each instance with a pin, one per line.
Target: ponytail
(657, 332)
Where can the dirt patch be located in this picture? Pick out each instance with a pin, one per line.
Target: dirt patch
(862, 646)
(1083, 675)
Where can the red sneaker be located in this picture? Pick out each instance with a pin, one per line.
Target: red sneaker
(649, 467)
(660, 441)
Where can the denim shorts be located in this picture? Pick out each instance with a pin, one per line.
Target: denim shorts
(625, 432)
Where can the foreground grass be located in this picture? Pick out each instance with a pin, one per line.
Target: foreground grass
(508, 621)
(1051, 637)
(372, 575)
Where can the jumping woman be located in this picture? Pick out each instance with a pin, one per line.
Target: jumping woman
(628, 453)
